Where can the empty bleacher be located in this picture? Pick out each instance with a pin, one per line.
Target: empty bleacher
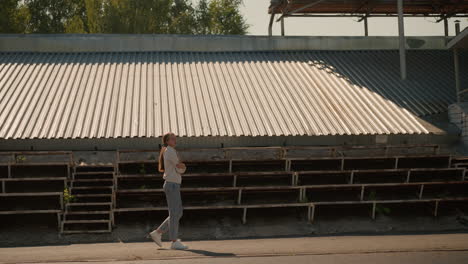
(307, 177)
(33, 182)
(314, 180)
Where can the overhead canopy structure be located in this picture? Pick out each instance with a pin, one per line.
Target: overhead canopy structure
(444, 8)
(460, 41)
(370, 8)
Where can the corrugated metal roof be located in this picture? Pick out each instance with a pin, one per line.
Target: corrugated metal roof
(145, 94)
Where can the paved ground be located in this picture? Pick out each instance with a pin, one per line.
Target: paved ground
(414, 249)
(365, 258)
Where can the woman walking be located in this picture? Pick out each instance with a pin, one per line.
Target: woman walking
(171, 166)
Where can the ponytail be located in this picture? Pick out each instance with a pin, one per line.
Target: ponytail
(161, 159)
(165, 138)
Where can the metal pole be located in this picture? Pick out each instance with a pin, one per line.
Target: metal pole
(270, 25)
(401, 34)
(457, 73)
(446, 29)
(282, 26)
(457, 63)
(366, 27)
(457, 27)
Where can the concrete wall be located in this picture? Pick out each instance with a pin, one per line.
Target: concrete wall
(115, 43)
(217, 142)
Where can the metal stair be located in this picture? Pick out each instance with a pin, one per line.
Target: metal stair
(91, 210)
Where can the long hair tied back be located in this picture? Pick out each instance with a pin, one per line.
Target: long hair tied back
(165, 138)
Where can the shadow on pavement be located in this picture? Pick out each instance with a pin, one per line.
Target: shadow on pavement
(207, 253)
(211, 253)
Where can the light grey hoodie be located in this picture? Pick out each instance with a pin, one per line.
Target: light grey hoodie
(170, 161)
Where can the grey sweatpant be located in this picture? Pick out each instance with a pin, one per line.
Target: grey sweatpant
(174, 204)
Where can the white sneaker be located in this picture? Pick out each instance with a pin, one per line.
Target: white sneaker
(156, 236)
(178, 245)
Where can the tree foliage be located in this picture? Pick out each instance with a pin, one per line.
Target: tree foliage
(225, 18)
(122, 16)
(13, 16)
(49, 16)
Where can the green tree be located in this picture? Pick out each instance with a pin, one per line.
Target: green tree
(226, 19)
(76, 20)
(203, 17)
(122, 16)
(182, 18)
(75, 25)
(13, 17)
(94, 14)
(130, 16)
(50, 16)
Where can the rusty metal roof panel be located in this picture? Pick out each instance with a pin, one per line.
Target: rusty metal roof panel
(145, 94)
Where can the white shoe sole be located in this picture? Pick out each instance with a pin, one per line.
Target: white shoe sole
(185, 248)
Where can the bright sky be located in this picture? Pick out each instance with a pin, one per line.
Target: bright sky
(256, 12)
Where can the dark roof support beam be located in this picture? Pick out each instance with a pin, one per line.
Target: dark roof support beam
(446, 29)
(366, 27)
(282, 26)
(402, 41)
(270, 25)
(456, 62)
